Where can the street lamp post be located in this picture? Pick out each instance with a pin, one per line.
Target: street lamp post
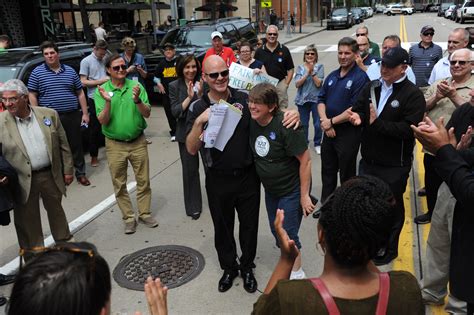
(288, 21)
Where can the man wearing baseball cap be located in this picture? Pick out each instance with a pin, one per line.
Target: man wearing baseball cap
(386, 108)
(424, 56)
(218, 48)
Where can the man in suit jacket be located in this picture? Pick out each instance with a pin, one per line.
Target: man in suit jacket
(34, 142)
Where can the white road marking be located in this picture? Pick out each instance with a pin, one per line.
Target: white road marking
(333, 48)
(74, 226)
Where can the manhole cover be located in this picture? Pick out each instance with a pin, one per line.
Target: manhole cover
(174, 265)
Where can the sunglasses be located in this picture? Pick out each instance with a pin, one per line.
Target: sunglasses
(215, 75)
(34, 251)
(460, 62)
(361, 34)
(272, 34)
(428, 34)
(118, 68)
(309, 54)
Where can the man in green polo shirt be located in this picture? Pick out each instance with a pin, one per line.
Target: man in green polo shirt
(122, 106)
(374, 48)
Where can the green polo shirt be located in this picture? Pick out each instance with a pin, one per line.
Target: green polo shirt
(126, 122)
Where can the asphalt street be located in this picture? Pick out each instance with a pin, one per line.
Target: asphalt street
(103, 225)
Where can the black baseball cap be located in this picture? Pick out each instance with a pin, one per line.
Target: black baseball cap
(395, 56)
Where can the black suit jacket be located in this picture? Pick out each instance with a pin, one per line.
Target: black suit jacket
(178, 91)
(455, 168)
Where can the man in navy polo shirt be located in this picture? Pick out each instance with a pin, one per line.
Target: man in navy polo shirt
(57, 86)
(278, 63)
(424, 56)
(340, 139)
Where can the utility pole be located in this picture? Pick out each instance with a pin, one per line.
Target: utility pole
(288, 20)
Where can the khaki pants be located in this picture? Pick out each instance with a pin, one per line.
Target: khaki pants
(118, 156)
(282, 90)
(28, 218)
(438, 248)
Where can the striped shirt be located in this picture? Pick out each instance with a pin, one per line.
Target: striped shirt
(57, 91)
(423, 60)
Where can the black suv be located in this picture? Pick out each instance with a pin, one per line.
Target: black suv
(18, 63)
(195, 37)
(340, 17)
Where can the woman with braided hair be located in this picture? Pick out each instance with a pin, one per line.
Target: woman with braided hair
(355, 223)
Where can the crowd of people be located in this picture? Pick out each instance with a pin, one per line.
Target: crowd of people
(376, 103)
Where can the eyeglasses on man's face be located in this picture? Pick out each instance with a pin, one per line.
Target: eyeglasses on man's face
(215, 75)
(460, 62)
(272, 34)
(361, 34)
(9, 100)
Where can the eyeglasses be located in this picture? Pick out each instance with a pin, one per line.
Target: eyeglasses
(272, 34)
(361, 34)
(9, 100)
(310, 54)
(460, 62)
(118, 68)
(68, 248)
(428, 34)
(245, 51)
(215, 75)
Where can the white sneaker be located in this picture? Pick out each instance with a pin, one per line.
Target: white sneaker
(173, 139)
(317, 149)
(297, 275)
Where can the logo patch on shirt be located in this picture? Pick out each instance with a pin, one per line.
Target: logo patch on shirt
(395, 104)
(427, 64)
(239, 106)
(262, 146)
(47, 122)
(273, 135)
(330, 83)
(280, 60)
(111, 94)
(349, 84)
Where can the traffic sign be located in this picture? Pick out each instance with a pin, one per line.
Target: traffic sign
(266, 4)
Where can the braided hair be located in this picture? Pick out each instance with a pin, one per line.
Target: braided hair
(357, 220)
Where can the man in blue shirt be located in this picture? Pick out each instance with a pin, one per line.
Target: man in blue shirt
(57, 86)
(340, 140)
(424, 56)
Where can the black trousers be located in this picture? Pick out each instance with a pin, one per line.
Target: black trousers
(226, 194)
(95, 130)
(191, 180)
(338, 154)
(165, 100)
(432, 182)
(71, 122)
(470, 309)
(396, 177)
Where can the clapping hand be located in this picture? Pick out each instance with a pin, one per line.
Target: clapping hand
(136, 93)
(105, 95)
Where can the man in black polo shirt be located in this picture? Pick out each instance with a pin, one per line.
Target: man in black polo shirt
(278, 63)
(232, 183)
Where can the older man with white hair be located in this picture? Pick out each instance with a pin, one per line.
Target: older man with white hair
(34, 142)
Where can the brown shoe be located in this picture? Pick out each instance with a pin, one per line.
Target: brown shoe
(148, 221)
(94, 161)
(148, 141)
(83, 180)
(130, 227)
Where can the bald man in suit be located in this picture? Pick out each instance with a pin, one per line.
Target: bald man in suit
(34, 142)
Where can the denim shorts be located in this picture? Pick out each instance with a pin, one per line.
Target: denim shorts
(293, 213)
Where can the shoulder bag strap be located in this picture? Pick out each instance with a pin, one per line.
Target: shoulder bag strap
(331, 306)
(384, 292)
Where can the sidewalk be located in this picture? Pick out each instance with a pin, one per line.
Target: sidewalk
(307, 29)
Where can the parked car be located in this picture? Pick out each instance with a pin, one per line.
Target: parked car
(398, 9)
(420, 7)
(465, 12)
(340, 17)
(432, 7)
(449, 12)
(358, 15)
(370, 11)
(380, 8)
(443, 7)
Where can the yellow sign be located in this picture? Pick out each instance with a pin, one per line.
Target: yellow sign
(266, 4)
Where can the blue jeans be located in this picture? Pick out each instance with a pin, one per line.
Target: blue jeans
(305, 110)
(293, 213)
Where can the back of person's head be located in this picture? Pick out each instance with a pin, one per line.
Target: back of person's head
(101, 44)
(70, 279)
(356, 220)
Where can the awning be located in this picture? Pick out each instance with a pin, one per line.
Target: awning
(219, 7)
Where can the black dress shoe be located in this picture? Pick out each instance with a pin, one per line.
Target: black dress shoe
(422, 192)
(317, 214)
(423, 218)
(225, 283)
(250, 283)
(385, 259)
(3, 300)
(196, 215)
(6, 279)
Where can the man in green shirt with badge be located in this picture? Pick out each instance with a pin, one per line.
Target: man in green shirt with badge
(122, 106)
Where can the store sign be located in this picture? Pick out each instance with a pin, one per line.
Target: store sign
(266, 4)
(46, 18)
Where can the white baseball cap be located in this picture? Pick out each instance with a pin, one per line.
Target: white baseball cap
(216, 34)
